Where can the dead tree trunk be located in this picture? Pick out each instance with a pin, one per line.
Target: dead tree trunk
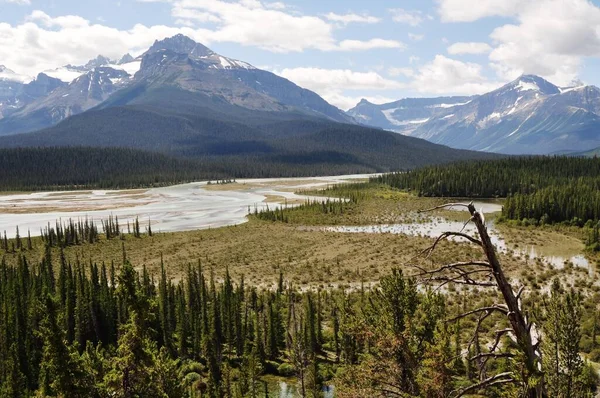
(520, 326)
(468, 273)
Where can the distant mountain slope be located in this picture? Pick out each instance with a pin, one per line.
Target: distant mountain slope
(79, 167)
(17, 92)
(527, 116)
(588, 154)
(197, 130)
(187, 101)
(174, 63)
(405, 115)
(83, 93)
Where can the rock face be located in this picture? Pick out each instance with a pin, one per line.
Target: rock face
(14, 95)
(181, 62)
(527, 116)
(405, 115)
(174, 63)
(57, 100)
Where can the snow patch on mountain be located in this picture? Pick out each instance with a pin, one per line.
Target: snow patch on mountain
(65, 74)
(527, 86)
(11, 76)
(131, 68)
(447, 105)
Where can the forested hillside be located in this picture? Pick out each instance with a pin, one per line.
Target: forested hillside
(543, 189)
(100, 330)
(55, 168)
(313, 149)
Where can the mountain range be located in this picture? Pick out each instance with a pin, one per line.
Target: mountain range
(184, 83)
(526, 116)
(183, 99)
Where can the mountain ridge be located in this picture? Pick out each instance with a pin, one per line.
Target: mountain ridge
(528, 115)
(176, 61)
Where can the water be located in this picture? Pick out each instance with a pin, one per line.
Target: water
(484, 205)
(194, 206)
(176, 208)
(438, 225)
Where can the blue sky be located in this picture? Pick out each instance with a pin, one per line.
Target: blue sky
(344, 50)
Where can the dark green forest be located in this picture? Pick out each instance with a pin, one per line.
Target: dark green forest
(106, 330)
(539, 189)
(58, 168)
(53, 168)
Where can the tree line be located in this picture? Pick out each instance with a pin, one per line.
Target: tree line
(543, 189)
(75, 233)
(85, 329)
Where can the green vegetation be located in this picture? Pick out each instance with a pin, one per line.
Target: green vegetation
(575, 203)
(25, 169)
(98, 330)
(61, 168)
(310, 307)
(496, 178)
(542, 190)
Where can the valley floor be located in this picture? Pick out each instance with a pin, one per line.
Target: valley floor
(315, 250)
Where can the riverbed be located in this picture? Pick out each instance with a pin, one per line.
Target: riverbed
(184, 207)
(435, 226)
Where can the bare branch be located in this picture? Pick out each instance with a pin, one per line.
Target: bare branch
(454, 266)
(490, 309)
(446, 235)
(499, 334)
(488, 355)
(500, 378)
(457, 280)
(466, 223)
(446, 206)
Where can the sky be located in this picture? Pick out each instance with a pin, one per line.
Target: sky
(381, 50)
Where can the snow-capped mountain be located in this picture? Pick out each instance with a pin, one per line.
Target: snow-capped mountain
(7, 75)
(62, 100)
(14, 94)
(174, 64)
(405, 115)
(527, 116)
(69, 73)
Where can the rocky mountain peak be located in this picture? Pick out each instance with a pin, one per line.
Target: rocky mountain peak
(100, 60)
(11, 76)
(181, 44)
(532, 83)
(125, 59)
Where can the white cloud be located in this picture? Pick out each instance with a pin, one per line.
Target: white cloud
(413, 59)
(351, 18)
(412, 18)
(469, 10)
(449, 76)
(395, 72)
(415, 37)
(319, 79)
(333, 84)
(469, 48)
(279, 30)
(276, 5)
(249, 22)
(43, 42)
(193, 16)
(359, 45)
(551, 39)
(19, 2)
